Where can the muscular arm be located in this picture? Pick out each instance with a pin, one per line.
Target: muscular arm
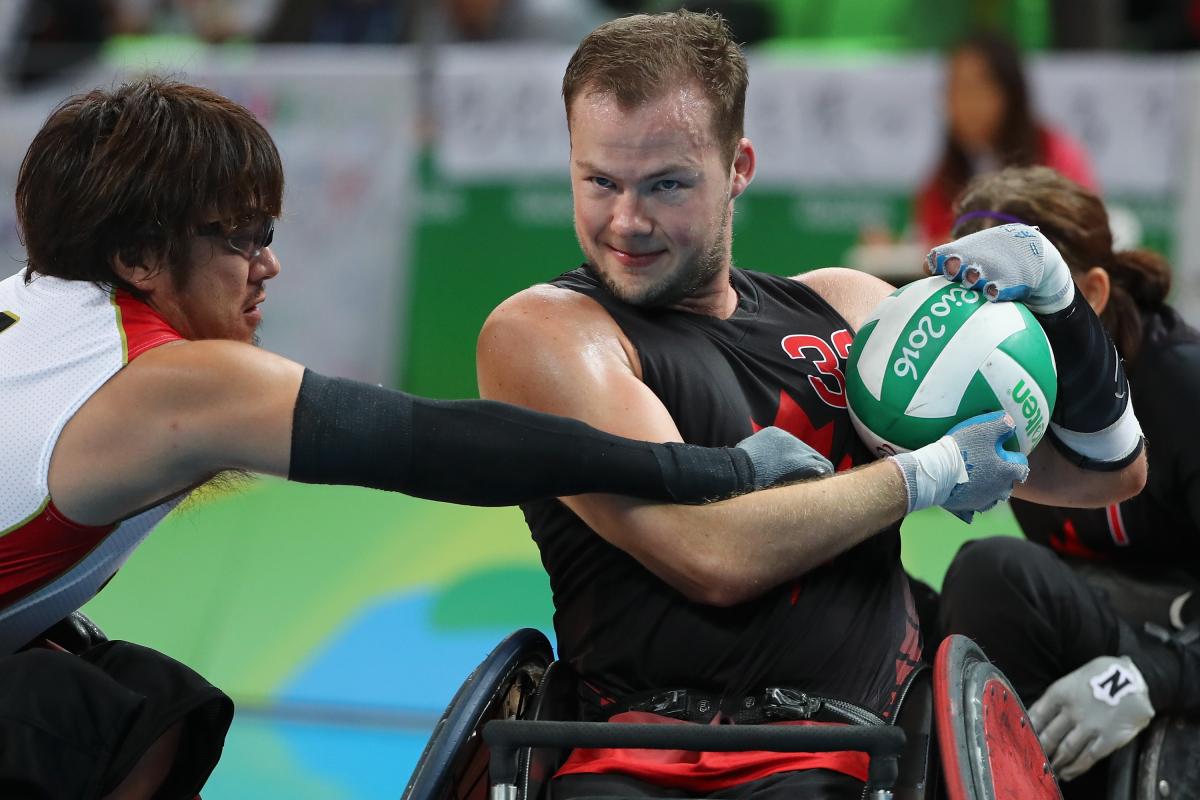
(170, 420)
(1052, 479)
(181, 413)
(555, 350)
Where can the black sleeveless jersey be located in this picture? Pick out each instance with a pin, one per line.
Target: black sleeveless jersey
(1161, 526)
(845, 629)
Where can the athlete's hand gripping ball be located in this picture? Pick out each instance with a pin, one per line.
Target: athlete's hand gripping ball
(1008, 262)
(967, 470)
(778, 457)
(1090, 712)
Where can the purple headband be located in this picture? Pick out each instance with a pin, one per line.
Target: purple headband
(990, 215)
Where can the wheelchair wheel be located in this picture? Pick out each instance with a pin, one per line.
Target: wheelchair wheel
(988, 746)
(454, 764)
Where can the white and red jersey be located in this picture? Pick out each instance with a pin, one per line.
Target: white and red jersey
(60, 341)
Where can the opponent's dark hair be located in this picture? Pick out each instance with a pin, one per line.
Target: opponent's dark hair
(132, 172)
(638, 57)
(1019, 141)
(1075, 220)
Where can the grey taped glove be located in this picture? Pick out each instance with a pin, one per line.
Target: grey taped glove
(1091, 712)
(1008, 262)
(779, 457)
(965, 471)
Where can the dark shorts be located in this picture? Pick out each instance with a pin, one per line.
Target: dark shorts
(75, 725)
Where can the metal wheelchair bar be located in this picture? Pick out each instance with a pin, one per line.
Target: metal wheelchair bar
(883, 743)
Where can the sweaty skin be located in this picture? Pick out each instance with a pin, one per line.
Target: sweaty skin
(653, 201)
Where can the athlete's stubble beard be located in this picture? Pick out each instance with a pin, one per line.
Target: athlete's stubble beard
(691, 276)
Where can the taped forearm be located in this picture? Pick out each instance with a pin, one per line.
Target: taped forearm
(1093, 424)
(480, 452)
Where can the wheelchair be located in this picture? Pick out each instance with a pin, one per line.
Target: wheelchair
(960, 733)
(1160, 763)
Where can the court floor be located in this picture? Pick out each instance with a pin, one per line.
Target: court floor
(266, 758)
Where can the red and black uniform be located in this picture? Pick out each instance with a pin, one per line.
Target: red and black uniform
(1087, 581)
(1160, 527)
(844, 630)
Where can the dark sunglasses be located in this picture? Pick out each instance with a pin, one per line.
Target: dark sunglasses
(244, 240)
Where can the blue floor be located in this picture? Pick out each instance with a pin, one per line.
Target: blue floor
(267, 759)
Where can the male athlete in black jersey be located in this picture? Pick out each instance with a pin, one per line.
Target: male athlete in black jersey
(1103, 593)
(129, 377)
(658, 336)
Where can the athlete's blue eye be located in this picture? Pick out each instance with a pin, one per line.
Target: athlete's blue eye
(669, 185)
(603, 183)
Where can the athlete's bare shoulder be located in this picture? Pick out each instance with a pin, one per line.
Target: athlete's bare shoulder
(553, 320)
(552, 306)
(852, 293)
(194, 373)
(171, 418)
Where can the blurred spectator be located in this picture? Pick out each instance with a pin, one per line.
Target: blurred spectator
(1086, 24)
(990, 125)
(52, 37)
(1163, 24)
(563, 21)
(211, 21)
(342, 21)
(441, 21)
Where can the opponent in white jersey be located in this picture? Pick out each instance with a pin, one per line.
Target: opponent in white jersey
(62, 340)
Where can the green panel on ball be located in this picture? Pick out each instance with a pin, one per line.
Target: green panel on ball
(980, 399)
(1032, 351)
(923, 339)
(856, 392)
(912, 432)
(977, 399)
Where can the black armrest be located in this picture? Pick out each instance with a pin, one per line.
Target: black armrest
(883, 743)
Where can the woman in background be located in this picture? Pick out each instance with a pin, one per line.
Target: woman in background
(990, 125)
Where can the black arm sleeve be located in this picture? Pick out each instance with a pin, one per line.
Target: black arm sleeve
(1093, 392)
(484, 453)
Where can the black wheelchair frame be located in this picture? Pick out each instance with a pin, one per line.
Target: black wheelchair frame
(509, 714)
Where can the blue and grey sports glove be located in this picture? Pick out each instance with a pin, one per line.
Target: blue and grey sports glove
(965, 471)
(778, 457)
(1008, 262)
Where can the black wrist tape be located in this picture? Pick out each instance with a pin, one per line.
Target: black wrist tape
(694, 474)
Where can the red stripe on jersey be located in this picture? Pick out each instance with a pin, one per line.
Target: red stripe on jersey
(1116, 525)
(704, 772)
(42, 549)
(144, 327)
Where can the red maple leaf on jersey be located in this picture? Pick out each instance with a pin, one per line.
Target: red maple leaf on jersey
(791, 418)
(1068, 543)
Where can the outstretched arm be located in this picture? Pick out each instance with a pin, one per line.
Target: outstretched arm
(480, 452)
(180, 414)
